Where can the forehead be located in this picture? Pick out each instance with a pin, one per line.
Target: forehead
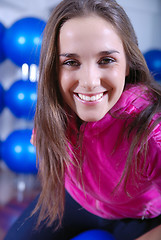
(87, 30)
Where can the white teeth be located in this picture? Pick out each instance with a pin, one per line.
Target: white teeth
(90, 99)
(93, 98)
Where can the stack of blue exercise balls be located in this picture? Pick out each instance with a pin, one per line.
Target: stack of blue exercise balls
(2, 58)
(21, 44)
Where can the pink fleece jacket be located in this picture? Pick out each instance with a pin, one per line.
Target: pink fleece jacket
(104, 154)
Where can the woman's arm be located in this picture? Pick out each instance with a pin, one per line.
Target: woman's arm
(154, 234)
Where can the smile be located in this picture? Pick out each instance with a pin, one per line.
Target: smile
(91, 98)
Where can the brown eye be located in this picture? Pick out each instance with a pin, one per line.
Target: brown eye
(106, 60)
(71, 63)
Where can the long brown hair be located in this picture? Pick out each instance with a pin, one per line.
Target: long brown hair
(51, 119)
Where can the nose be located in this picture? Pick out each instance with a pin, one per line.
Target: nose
(89, 77)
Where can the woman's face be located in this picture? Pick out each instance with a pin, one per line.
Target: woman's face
(92, 65)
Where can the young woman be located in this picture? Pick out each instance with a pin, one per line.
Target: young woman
(97, 128)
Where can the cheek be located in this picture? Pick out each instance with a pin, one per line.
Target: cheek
(66, 82)
(115, 78)
(63, 80)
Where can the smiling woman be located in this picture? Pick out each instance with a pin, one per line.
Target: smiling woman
(97, 128)
(92, 66)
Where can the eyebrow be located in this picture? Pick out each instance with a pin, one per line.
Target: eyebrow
(108, 52)
(71, 55)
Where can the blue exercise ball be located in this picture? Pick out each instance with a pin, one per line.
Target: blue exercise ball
(94, 235)
(18, 153)
(21, 99)
(22, 41)
(153, 60)
(1, 98)
(2, 54)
